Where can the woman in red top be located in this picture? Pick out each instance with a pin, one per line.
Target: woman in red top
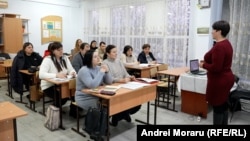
(217, 62)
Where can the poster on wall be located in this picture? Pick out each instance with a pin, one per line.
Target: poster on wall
(51, 29)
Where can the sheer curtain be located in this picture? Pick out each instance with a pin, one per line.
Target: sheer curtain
(240, 38)
(134, 23)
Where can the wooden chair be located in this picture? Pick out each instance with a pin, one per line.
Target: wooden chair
(72, 89)
(77, 129)
(35, 92)
(239, 99)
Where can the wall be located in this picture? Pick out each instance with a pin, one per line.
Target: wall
(70, 11)
(200, 44)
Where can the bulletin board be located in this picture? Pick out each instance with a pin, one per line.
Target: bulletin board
(51, 29)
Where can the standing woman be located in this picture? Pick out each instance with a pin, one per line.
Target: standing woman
(55, 66)
(220, 79)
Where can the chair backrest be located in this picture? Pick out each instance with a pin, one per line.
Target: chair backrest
(72, 84)
(153, 72)
(162, 67)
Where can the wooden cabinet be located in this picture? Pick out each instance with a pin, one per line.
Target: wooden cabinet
(194, 103)
(11, 35)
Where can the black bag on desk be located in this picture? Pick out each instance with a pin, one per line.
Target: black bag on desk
(52, 120)
(96, 122)
(32, 69)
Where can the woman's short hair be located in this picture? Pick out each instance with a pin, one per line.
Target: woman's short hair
(145, 46)
(126, 48)
(27, 44)
(87, 59)
(83, 45)
(223, 26)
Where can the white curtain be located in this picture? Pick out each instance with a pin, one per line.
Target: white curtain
(240, 38)
(135, 24)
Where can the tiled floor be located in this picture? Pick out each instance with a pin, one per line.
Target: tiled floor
(31, 128)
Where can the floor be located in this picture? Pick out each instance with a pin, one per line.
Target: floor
(31, 128)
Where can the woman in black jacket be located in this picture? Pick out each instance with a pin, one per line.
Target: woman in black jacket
(146, 56)
(24, 59)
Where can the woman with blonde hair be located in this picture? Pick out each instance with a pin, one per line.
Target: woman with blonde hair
(77, 47)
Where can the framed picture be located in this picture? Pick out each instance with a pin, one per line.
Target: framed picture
(204, 3)
(203, 30)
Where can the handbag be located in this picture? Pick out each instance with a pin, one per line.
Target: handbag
(96, 122)
(52, 120)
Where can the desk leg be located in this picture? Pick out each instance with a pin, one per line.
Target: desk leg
(108, 128)
(21, 99)
(32, 106)
(8, 83)
(60, 106)
(148, 111)
(15, 130)
(155, 112)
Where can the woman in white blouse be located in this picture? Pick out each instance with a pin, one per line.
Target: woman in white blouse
(127, 57)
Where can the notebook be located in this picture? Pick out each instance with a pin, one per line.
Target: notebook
(194, 67)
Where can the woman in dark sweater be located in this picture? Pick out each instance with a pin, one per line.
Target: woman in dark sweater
(146, 56)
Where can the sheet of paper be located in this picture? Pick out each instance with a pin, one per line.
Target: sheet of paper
(134, 85)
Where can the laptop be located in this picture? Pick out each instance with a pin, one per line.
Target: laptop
(194, 67)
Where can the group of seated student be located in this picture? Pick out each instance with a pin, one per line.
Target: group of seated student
(77, 61)
(24, 59)
(56, 65)
(119, 75)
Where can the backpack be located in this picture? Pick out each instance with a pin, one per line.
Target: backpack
(52, 120)
(96, 122)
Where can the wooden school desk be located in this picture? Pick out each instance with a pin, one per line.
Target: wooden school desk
(64, 91)
(144, 70)
(125, 99)
(7, 64)
(34, 93)
(174, 72)
(8, 114)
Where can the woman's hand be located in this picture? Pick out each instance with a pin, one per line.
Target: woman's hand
(73, 74)
(104, 68)
(61, 75)
(132, 78)
(201, 64)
